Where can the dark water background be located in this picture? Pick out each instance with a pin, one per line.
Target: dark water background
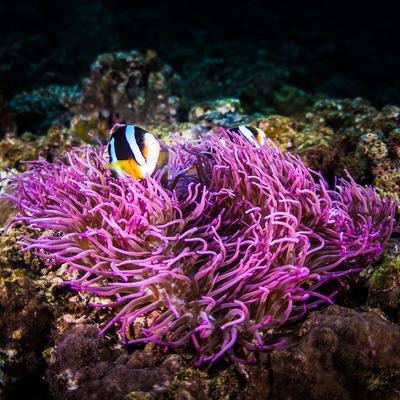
(342, 50)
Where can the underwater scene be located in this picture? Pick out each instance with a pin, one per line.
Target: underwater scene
(199, 200)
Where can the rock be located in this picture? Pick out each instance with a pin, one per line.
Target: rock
(342, 354)
(384, 282)
(336, 353)
(37, 110)
(129, 87)
(14, 149)
(7, 118)
(25, 322)
(338, 135)
(85, 366)
(227, 112)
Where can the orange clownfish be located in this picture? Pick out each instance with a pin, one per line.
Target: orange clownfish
(133, 151)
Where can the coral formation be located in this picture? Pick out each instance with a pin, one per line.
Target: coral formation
(223, 106)
(338, 135)
(129, 86)
(185, 270)
(83, 365)
(7, 118)
(336, 352)
(226, 112)
(340, 353)
(15, 150)
(384, 282)
(39, 109)
(25, 317)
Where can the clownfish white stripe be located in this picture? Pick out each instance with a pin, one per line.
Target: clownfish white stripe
(253, 135)
(246, 133)
(154, 149)
(113, 155)
(131, 138)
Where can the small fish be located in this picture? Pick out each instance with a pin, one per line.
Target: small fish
(253, 135)
(133, 151)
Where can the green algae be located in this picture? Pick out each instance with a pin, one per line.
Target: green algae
(387, 274)
(382, 379)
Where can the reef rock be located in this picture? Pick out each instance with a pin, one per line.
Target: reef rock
(38, 109)
(384, 282)
(129, 86)
(14, 149)
(342, 354)
(336, 353)
(338, 135)
(25, 319)
(7, 118)
(86, 366)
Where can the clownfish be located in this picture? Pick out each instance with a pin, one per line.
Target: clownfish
(253, 135)
(133, 151)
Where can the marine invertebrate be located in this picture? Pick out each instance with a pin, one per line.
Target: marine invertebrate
(245, 251)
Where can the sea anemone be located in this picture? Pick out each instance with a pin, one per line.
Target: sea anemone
(242, 248)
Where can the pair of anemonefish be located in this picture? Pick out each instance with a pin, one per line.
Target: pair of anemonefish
(136, 152)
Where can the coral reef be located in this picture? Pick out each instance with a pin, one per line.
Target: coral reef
(182, 270)
(250, 67)
(223, 106)
(384, 282)
(5, 210)
(7, 118)
(226, 112)
(365, 140)
(338, 135)
(38, 110)
(25, 317)
(340, 353)
(337, 352)
(129, 86)
(82, 365)
(15, 150)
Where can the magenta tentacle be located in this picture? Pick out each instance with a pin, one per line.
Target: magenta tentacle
(217, 258)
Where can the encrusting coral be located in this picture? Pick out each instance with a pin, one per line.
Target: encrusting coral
(243, 247)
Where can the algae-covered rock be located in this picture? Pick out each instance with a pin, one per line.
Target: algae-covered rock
(25, 322)
(341, 353)
(14, 149)
(290, 100)
(227, 112)
(221, 105)
(129, 86)
(38, 109)
(338, 135)
(384, 282)
(335, 353)
(84, 365)
(7, 118)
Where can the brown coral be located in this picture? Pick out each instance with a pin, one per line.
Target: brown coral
(342, 354)
(128, 86)
(15, 149)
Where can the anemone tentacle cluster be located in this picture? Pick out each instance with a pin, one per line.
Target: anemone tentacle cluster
(243, 247)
